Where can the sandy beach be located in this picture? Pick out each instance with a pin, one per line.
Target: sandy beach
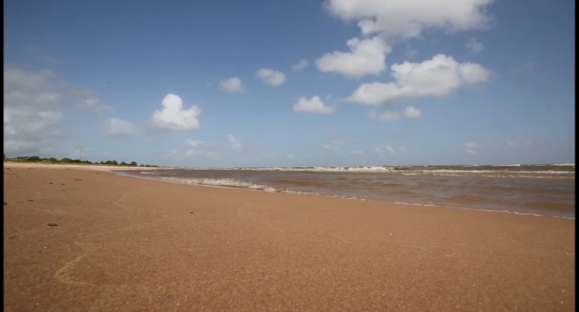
(90, 240)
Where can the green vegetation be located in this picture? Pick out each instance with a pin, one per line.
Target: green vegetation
(65, 160)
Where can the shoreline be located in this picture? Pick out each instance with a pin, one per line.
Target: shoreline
(118, 170)
(103, 241)
(266, 189)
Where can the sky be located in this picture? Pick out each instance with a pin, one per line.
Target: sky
(291, 83)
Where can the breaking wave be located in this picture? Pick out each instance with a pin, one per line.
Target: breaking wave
(220, 182)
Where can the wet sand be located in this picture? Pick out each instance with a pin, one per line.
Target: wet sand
(81, 240)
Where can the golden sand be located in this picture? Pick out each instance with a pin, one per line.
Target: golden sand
(78, 240)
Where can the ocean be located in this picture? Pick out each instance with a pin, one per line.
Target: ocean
(541, 190)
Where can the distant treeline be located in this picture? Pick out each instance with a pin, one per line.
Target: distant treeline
(52, 160)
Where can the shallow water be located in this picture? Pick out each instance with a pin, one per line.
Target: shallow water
(547, 190)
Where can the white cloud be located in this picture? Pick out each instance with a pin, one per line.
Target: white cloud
(232, 84)
(35, 104)
(474, 45)
(412, 112)
(271, 77)
(438, 76)
(313, 105)
(119, 127)
(408, 18)
(366, 57)
(234, 142)
(471, 148)
(300, 65)
(174, 117)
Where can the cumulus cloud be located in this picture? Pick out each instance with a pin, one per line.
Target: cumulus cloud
(271, 77)
(119, 127)
(234, 142)
(474, 45)
(438, 76)
(232, 84)
(366, 57)
(408, 18)
(35, 102)
(300, 65)
(173, 116)
(312, 105)
(471, 148)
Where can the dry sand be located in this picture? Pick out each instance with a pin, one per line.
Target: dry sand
(77, 240)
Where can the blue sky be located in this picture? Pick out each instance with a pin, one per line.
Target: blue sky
(283, 83)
